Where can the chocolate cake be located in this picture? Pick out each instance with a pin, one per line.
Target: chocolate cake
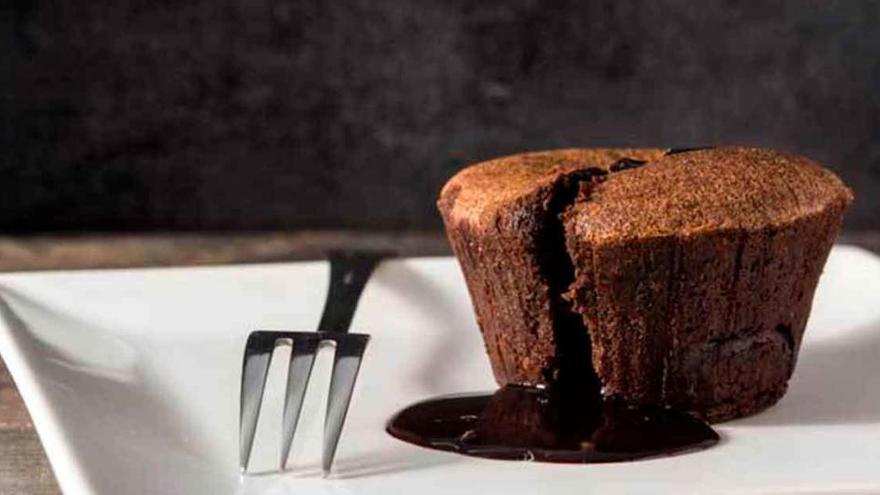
(680, 278)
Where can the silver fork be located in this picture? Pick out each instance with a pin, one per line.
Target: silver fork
(349, 272)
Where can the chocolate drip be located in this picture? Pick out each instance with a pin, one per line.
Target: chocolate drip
(675, 151)
(626, 164)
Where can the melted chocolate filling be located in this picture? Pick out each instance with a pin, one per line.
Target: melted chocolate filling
(573, 360)
(557, 424)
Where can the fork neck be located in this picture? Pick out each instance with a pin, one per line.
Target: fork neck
(349, 273)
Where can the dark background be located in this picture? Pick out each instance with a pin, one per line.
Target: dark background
(272, 114)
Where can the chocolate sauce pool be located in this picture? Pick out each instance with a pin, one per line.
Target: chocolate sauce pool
(549, 425)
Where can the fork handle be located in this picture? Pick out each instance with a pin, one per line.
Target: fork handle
(349, 273)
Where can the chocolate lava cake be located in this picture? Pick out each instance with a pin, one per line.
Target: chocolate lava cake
(680, 277)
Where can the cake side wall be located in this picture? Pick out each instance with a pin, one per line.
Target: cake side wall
(709, 323)
(510, 297)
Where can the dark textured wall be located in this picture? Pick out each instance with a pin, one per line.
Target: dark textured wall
(133, 114)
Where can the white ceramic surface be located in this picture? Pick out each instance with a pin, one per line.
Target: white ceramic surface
(132, 376)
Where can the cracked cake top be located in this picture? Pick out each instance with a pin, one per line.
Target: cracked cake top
(478, 193)
(672, 194)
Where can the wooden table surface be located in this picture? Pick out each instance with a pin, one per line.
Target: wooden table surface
(23, 465)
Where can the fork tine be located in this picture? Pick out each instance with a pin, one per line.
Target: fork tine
(257, 356)
(302, 359)
(346, 363)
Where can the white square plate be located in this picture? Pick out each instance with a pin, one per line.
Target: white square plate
(132, 379)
